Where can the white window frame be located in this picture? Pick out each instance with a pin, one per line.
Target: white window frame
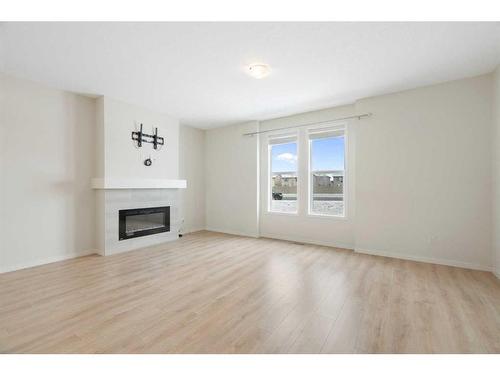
(271, 137)
(325, 129)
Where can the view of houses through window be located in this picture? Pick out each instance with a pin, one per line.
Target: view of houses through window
(283, 177)
(326, 173)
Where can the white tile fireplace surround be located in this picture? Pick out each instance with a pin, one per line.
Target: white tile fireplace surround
(111, 201)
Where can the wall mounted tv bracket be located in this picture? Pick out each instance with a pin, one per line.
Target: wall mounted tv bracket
(141, 137)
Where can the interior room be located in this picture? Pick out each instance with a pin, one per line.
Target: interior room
(250, 187)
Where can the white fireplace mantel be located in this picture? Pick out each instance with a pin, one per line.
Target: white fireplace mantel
(139, 183)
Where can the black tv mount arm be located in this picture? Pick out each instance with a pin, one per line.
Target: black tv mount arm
(140, 137)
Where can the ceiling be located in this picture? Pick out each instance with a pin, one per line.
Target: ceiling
(195, 71)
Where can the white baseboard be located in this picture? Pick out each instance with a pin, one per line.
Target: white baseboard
(340, 245)
(347, 246)
(40, 262)
(193, 230)
(444, 262)
(236, 233)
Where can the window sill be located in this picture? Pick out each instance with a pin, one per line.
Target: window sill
(282, 213)
(328, 217)
(309, 215)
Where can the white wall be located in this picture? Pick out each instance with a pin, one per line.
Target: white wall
(420, 181)
(47, 161)
(496, 170)
(192, 169)
(423, 174)
(122, 159)
(231, 168)
(328, 231)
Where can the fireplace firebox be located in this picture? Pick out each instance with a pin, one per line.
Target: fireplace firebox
(138, 222)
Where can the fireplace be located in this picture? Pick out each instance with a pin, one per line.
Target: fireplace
(138, 222)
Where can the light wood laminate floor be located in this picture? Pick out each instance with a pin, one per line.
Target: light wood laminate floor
(216, 293)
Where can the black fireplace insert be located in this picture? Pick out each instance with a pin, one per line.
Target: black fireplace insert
(138, 222)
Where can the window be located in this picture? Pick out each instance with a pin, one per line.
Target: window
(327, 172)
(283, 174)
(318, 177)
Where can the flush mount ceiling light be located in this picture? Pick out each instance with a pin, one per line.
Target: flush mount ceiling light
(259, 71)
